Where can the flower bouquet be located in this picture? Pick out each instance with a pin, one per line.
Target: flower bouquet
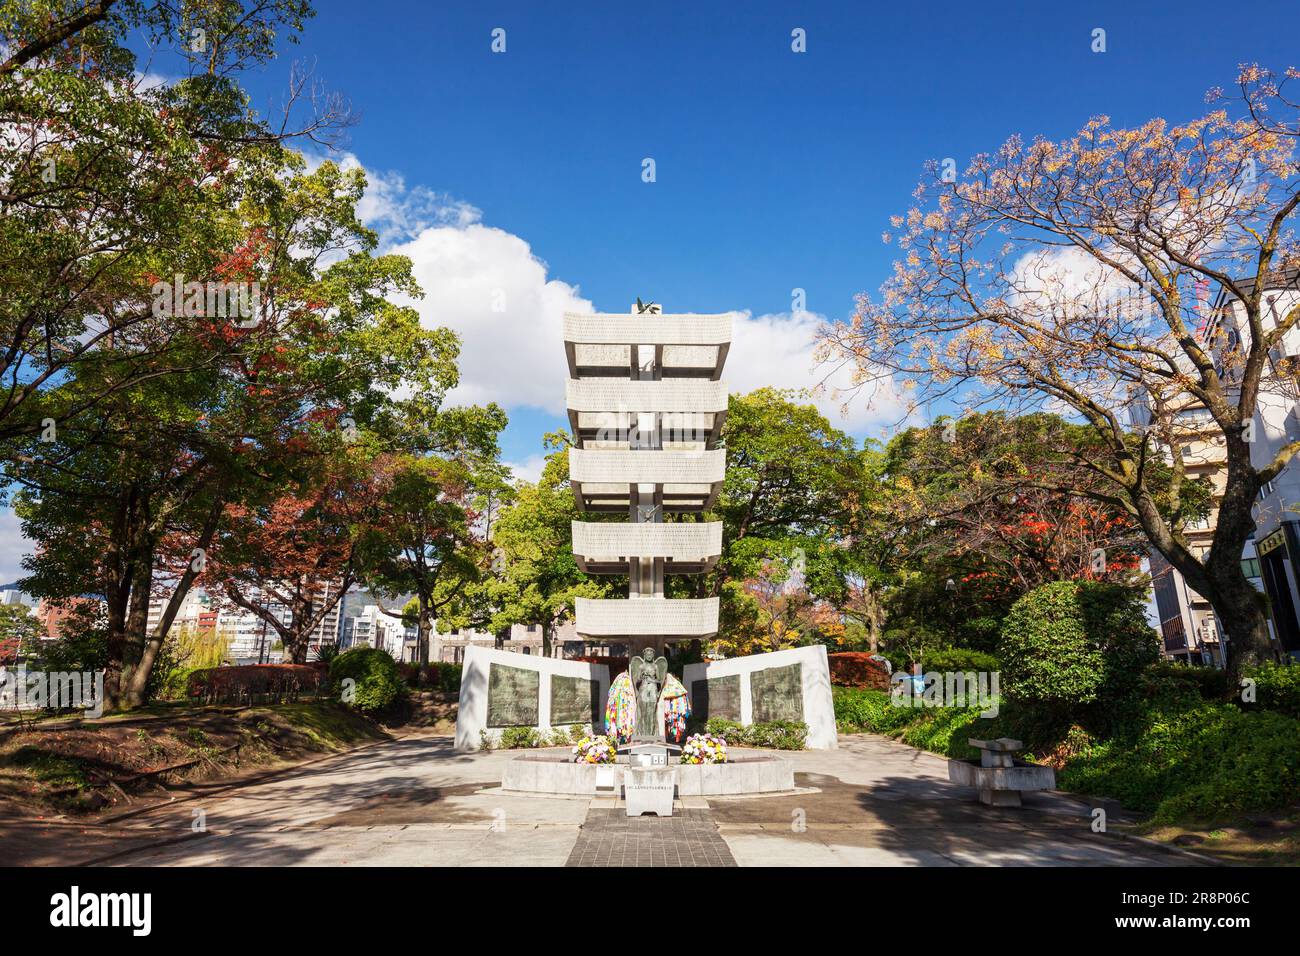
(594, 749)
(704, 748)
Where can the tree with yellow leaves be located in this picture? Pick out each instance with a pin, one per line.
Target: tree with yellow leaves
(1077, 276)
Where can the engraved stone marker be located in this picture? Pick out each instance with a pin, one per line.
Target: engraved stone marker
(777, 693)
(574, 700)
(513, 694)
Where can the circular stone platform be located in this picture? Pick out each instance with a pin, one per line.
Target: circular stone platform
(557, 773)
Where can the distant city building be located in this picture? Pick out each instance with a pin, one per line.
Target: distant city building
(11, 596)
(251, 639)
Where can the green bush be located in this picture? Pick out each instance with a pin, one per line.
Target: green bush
(722, 727)
(378, 684)
(443, 676)
(1277, 687)
(775, 734)
(859, 710)
(513, 738)
(946, 730)
(959, 659)
(1074, 643)
(1210, 761)
(1207, 683)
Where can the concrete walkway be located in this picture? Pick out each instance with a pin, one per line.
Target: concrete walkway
(415, 802)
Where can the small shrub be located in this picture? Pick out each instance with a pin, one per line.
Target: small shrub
(1277, 687)
(960, 659)
(378, 683)
(1073, 643)
(776, 734)
(779, 735)
(214, 685)
(515, 738)
(1209, 683)
(722, 727)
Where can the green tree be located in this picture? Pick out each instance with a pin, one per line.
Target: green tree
(148, 477)
(535, 578)
(791, 485)
(440, 494)
(19, 631)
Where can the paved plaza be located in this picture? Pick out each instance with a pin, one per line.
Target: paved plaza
(417, 802)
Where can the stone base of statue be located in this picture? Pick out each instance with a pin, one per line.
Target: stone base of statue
(649, 790)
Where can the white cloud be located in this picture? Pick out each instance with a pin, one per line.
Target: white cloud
(488, 286)
(777, 350)
(530, 469)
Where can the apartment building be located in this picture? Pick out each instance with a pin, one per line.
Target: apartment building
(251, 639)
(1276, 546)
(1188, 627)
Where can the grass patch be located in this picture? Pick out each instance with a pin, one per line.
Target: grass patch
(40, 767)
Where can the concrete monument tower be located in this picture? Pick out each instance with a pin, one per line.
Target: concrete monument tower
(646, 405)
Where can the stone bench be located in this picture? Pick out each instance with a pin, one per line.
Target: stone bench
(999, 777)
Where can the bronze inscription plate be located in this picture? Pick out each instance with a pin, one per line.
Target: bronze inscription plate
(777, 693)
(716, 697)
(513, 694)
(574, 700)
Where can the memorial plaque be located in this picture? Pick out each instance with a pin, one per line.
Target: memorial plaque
(716, 697)
(574, 700)
(776, 693)
(513, 694)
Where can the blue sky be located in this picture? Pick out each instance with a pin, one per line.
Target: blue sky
(774, 170)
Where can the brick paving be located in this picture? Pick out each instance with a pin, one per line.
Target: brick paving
(609, 837)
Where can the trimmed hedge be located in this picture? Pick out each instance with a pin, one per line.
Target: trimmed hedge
(775, 734)
(857, 669)
(219, 685)
(378, 684)
(436, 675)
(954, 659)
(1071, 643)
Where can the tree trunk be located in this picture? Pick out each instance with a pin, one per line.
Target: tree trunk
(137, 686)
(134, 672)
(423, 626)
(1220, 580)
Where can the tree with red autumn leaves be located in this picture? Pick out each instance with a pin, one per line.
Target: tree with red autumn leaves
(295, 553)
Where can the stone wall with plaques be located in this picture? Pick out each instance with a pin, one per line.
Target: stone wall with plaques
(500, 689)
(785, 685)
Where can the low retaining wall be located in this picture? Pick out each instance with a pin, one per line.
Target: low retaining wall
(540, 773)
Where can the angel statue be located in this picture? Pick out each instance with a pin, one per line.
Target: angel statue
(648, 676)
